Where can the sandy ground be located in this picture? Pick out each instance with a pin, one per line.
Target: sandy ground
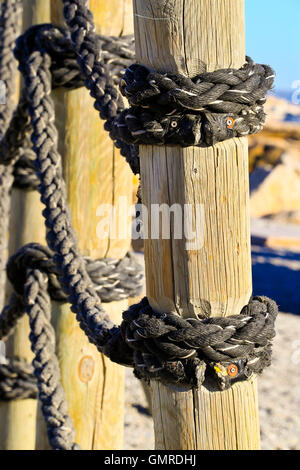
(279, 396)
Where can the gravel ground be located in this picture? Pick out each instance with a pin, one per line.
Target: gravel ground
(279, 396)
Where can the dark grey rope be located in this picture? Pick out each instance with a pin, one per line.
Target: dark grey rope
(117, 54)
(9, 30)
(167, 347)
(168, 108)
(113, 280)
(24, 172)
(17, 381)
(172, 349)
(60, 429)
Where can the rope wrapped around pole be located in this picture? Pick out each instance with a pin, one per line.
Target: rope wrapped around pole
(70, 265)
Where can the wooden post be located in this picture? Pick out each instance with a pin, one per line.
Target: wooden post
(95, 174)
(18, 418)
(214, 277)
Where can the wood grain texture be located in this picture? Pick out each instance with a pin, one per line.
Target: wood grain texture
(214, 277)
(206, 420)
(95, 174)
(26, 225)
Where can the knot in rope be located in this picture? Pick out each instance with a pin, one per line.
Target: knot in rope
(174, 349)
(171, 109)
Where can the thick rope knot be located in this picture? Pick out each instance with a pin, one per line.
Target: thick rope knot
(171, 109)
(117, 53)
(166, 109)
(173, 349)
(112, 279)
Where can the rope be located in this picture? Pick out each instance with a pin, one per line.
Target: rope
(9, 30)
(167, 109)
(117, 54)
(161, 346)
(170, 108)
(17, 381)
(176, 350)
(60, 429)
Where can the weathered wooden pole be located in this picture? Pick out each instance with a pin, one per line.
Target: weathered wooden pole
(18, 417)
(212, 278)
(95, 175)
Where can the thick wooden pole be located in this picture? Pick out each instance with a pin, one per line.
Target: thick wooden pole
(18, 418)
(95, 174)
(213, 276)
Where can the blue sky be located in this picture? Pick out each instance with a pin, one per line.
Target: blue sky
(273, 37)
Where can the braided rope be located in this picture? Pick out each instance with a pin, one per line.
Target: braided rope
(172, 349)
(9, 30)
(60, 429)
(168, 108)
(113, 280)
(17, 379)
(117, 54)
(24, 172)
